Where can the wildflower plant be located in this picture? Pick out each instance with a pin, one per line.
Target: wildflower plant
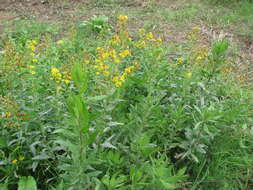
(111, 110)
(97, 23)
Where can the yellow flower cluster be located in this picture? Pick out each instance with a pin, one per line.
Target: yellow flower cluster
(125, 53)
(20, 158)
(199, 55)
(119, 80)
(31, 45)
(122, 29)
(147, 37)
(31, 68)
(122, 18)
(116, 51)
(105, 56)
(140, 44)
(115, 40)
(106, 53)
(6, 114)
(60, 76)
(102, 68)
(180, 60)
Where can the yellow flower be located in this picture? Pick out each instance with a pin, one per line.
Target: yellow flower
(98, 60)
(32, 54)
(34, 60)
(97, 73)
(106, 73)
(68, 77)
(115, 42)
(118, 84)
(129, 69)
(180, 60)
(34, 42)
(122, 18)
(14, 161)
(33, 48)
(105, 55)
(188, 75)
(199, 58)
(7, 114)
(102, 67)
(56, 73)
(140, 44)
(32, 72)
(118, 80)
(122, 78)
(21, 158)
(112, 53)
(116, 60)
(125, 53)
(66, 81)
(98, 49)
(142, 31)
(149, 36)
(159, 40)
(54, 70)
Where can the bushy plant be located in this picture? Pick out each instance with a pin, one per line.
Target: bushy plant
(112, 112)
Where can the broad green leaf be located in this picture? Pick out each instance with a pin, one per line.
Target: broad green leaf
(80, 78)
(27, 183)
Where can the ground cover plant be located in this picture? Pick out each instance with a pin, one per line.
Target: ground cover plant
(102, 107)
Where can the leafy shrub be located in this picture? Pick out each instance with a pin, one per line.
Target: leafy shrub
(109, 111)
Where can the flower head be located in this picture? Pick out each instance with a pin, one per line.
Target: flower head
(122, 18)
(56, 73)
(125, 53)
(32, 72)
(149, 36)
(199, 58)
(180, 60)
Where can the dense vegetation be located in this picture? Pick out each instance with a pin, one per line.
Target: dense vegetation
(101, 108)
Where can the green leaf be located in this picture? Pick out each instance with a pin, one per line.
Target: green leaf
(4, 186)
(96, 98)
(60, 186)
(27, 183)
(168, 185)
(80, 78)
(3, 141)
(42, 156)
